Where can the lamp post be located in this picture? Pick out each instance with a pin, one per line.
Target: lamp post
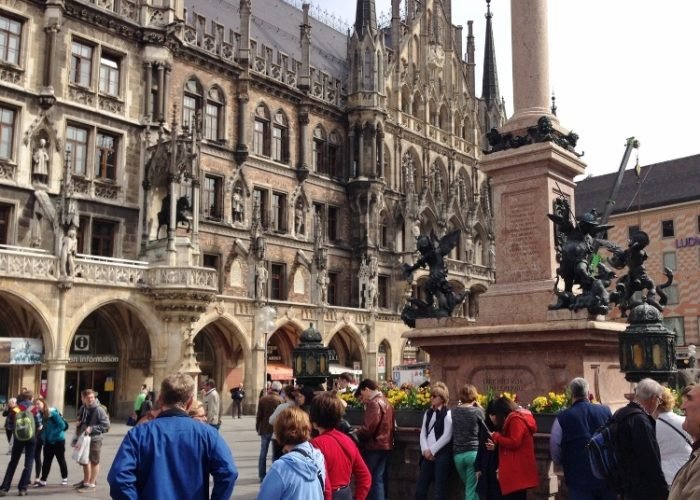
(647, 348)
(266, 321)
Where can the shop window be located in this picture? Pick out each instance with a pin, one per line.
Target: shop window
(109, 75)
(7, 132)
(106, 156)
(278, 285)
(279, 212)
(211, 197)
(103, 236)
(667, 230)
(81, 64)
(10, 39)
(5, 219)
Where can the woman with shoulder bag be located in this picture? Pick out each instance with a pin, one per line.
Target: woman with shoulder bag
(343, 459)
(466, 419)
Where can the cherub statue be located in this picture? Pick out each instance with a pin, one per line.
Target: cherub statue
(637, 279)
(440, 299)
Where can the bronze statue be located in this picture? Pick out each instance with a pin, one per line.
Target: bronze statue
(183, 207)
(441, 300)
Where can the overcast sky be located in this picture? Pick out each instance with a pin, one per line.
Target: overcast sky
(618, 68)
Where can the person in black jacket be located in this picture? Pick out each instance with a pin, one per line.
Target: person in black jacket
(639, 457)
(486, 463)
(237, 394)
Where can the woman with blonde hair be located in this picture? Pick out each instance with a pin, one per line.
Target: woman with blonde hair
(675, 445)
(466, 420)
(197, 412)
(300, 474)
(435, 437)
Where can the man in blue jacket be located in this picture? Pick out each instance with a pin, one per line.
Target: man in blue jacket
(173, 455)
(571, 432)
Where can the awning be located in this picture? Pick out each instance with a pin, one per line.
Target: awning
(280, 372)
(337, 370)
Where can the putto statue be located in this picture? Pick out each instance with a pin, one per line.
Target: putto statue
(577, 244)
(440, 299)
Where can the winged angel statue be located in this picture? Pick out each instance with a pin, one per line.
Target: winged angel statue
(440, 299)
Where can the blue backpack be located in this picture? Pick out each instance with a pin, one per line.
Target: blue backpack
(604, 455)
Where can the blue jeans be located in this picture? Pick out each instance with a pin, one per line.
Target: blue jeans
(262, 460)
(376, 461)
(434, 471)
(19, 447)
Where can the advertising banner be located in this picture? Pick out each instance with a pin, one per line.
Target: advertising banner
(20, 351)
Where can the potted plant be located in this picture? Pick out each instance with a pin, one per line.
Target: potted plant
(545, 409)
(409, 403)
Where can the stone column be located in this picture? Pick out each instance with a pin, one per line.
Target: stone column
(57, 382)
(530, 63)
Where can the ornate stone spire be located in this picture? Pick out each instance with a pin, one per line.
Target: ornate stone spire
(365, 17)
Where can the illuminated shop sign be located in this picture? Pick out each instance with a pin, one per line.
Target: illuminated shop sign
(691, 241)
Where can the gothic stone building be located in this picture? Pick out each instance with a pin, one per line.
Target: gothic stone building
(167, 172)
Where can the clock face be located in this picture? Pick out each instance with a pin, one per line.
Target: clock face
(310, 365)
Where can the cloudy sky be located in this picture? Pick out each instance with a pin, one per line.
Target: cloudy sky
(618, 69)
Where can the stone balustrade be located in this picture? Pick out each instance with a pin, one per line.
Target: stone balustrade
(21, 262)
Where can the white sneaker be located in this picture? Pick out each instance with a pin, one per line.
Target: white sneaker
(64, 481)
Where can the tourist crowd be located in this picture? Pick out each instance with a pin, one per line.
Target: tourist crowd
(175, 447)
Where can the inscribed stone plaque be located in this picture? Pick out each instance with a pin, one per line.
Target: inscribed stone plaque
(516, 379)
(520, 217)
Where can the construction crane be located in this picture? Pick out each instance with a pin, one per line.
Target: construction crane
(632, 143)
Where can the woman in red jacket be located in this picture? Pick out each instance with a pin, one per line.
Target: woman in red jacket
(343, 459)
(517, 469)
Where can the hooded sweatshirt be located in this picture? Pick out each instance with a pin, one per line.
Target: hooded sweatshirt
(517, 468)
(295, 477)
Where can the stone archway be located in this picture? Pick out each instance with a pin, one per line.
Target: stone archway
(280, 349)
(384, 361)
(20, 319)
(110, 352)
(348, 352)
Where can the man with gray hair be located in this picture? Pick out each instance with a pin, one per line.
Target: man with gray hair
(571, 432)
(638, 451)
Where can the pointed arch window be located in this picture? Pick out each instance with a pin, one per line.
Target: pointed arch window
(383, 231)
(261, 131)
(214, 115)
(280, 138)
(191, 103)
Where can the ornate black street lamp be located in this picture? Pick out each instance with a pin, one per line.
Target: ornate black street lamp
(311, 365)
(647, 348)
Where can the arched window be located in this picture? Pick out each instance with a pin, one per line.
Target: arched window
(261, 131)
(191, 103)
(383, 230)
(318, 151)
(214, 115)
(280, 138)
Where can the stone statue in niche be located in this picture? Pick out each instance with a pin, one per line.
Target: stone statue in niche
(69, 249)
(323, 281)
(299, 218)
(40, 163)
(440, 298)
(260, 280)
(237, 205)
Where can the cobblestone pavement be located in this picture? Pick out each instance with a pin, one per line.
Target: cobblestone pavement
(239, 434)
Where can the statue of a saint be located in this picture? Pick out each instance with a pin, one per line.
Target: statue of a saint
(299, 218)
(40, 158)
(261, 280)
(69, 249)
(323, 280)
(237, 206)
